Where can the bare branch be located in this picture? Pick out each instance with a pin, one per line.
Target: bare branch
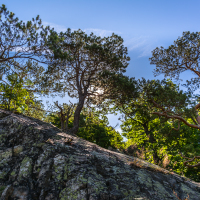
(190, 160)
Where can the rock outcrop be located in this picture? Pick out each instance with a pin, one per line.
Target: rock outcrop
(38, 161)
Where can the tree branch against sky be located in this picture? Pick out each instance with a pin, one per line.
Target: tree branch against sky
(20, 40)
(183, 55)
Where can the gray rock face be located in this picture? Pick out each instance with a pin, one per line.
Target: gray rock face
(38, 161)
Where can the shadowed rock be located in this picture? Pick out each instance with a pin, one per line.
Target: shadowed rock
(38, 161)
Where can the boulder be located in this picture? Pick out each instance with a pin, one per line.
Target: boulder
(39, 161)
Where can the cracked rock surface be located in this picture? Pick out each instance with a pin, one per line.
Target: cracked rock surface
(38, 161)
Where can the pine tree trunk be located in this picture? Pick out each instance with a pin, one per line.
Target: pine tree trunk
(75, 128)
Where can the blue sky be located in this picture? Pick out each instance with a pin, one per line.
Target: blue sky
(143, 24)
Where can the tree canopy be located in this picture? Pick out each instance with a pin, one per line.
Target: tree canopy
(180, 57)
(79, 73)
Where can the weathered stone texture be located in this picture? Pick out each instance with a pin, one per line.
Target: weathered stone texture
(37, 161)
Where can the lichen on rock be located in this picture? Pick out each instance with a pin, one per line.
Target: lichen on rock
(25, 169)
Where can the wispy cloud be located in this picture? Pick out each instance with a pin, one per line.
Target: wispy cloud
(135, 42)
(146, 51)
(58, 28)
(143, 44)
(100, 32)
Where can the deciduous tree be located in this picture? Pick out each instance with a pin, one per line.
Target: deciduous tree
(182, 56)
(141, 124)
(16, 95)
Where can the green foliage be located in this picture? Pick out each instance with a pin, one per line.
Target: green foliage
(35, 108)
(54, 119)
(141, 126)
(61, 115)
(120, 88)
(186, 141)
(15, 96)
(94, 128)
(182, 56)
(168, 143)
(188, 144)
(155, 138)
